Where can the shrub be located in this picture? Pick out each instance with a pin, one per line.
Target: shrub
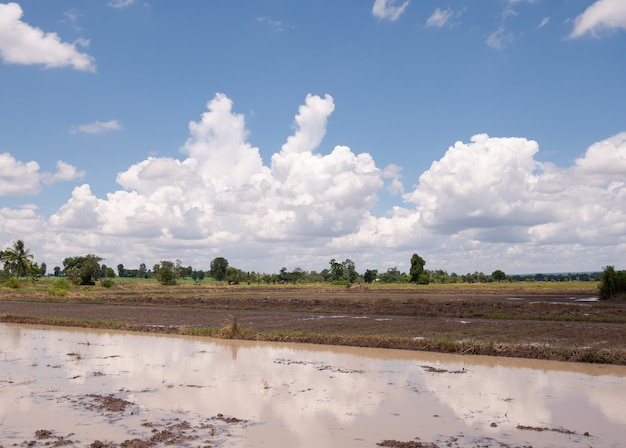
(107, 282)
(61, 283)
(12, 282)
(57, 292)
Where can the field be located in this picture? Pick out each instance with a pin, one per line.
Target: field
(545, 320)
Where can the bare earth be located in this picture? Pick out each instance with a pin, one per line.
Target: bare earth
(549, 324)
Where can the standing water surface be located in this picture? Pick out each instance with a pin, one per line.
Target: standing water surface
(77, 387)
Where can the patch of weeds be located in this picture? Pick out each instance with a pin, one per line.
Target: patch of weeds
(57, 292)
(230, 330)
(12, 282)
(594, 355)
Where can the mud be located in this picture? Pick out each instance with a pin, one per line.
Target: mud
(560, 325)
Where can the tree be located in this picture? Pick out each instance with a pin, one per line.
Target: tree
(498, 275)
(417, 270)
(612, 283)
(142, 271)
(120, 270)
(336, 270)
(57, 271)
(166, 273)
(219, 266)
(349, 270)
(18, 260)
(87, 268)
(370, 275)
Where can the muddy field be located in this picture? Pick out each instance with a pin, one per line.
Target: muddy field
(529, 321)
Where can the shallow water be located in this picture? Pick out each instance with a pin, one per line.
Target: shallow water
(288, 395)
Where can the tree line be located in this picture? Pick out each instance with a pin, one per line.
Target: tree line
(88, 270)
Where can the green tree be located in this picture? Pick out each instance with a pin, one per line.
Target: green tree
(166, 273)
(18, 260)
(498, 275)
(370, 275)
(612, 283)
(417, 270)
(120, 270)
(349, 270)
(219, 266)
(142, 271)
(336, 270)
(87, 267)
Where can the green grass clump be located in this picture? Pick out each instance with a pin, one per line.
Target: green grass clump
(12, 282)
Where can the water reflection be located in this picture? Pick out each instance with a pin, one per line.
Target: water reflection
(299, 395)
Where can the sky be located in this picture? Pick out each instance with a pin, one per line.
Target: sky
(481, 135)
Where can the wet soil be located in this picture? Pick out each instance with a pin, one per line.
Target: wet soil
(548, 324)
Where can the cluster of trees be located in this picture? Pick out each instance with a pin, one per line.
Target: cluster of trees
(87, 270)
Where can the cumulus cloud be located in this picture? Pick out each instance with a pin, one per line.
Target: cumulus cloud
(97, 127)
(223, 193)
(601, 16)
(386, 10)
(486, 204)
(490, 201)
(21, 43)
(24, 178)
(439, 18)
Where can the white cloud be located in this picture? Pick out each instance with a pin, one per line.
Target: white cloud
(386, 10)
(601, 16)
(543, 22)
(120, 4)
(98, 127)
(64, 173)
(439, 18)
(24, 178)
(223, 194)
(21, 43)
(274, 25)
(499, 38)
(486, 204)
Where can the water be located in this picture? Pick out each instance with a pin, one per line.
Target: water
(54, 381)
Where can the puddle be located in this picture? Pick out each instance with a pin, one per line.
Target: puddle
(76, 387)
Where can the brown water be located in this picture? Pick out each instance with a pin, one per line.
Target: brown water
(53, 382)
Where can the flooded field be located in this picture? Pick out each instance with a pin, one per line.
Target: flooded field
(75, 387)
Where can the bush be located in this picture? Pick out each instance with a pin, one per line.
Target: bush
(107, 282)
(57, 292)
(61, 283)
(12, 282)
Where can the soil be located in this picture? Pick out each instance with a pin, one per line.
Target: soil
(549, 324)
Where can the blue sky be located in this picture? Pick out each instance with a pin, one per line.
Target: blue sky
(482, 135)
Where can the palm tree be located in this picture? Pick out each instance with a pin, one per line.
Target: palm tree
(17, 259)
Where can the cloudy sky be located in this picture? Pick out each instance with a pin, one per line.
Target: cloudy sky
(481, 135)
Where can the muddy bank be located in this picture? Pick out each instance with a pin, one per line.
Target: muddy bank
(559, 325)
